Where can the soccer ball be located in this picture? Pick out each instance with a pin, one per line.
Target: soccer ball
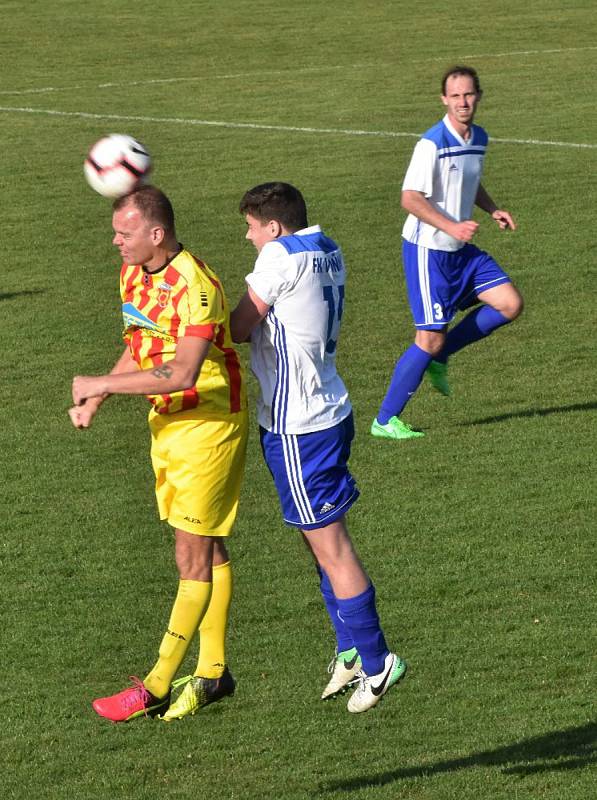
(116, 165)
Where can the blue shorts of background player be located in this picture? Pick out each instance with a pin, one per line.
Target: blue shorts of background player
(311, 474)
(440, 283)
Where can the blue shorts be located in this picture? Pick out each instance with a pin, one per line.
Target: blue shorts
(440, 283)
(311, 474)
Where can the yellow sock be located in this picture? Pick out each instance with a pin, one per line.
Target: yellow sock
(189, 607)
(212, 631)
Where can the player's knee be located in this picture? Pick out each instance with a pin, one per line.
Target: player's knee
(332, 553)
(194, 556)
(518, 307)
(436, 347)
(220, 553)
(514, 306)
(431, 342)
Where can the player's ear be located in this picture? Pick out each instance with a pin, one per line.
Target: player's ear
(157, 235)
(275, 228)
(444, 99)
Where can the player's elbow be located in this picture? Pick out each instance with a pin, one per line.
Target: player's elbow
(241, 338)
(187, 377)
(408, 200)
(238, 331)
(191, 380)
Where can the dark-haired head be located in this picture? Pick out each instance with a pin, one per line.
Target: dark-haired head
(460, 69)
(276, 201)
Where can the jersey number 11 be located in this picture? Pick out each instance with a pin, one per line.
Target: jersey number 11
(334, 315)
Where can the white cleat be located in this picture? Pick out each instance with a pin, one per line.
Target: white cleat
(371, 688)
(344, 668)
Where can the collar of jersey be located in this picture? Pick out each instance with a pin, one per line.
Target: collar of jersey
(307, 231)
(457, 136)
(165, 264)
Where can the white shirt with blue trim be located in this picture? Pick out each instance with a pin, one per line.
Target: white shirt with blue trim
(293, 350)
(447, 170)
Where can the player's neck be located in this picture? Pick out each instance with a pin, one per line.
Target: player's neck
(162, 257)
(463, 129)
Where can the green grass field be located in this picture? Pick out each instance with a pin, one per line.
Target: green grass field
(480, 537)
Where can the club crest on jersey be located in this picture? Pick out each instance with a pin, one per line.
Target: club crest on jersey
(164, 294)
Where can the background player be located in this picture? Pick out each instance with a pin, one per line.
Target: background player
(444, 272)
(292, 311)
(179, 352)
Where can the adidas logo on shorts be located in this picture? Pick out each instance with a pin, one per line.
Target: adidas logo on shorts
(326, 507)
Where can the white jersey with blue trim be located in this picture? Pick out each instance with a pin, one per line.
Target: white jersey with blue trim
(293, 350)
(447, 170)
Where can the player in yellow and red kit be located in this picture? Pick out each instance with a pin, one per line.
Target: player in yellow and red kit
(179, 353)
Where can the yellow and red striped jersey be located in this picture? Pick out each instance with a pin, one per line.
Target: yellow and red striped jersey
(184, 298)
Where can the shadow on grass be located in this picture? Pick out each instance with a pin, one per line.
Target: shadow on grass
(531, 412)
(573, 748)
(22, 293)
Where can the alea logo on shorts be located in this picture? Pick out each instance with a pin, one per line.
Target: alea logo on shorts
(194, 520)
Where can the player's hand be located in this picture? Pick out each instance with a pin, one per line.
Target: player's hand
(504, 220)
(464, 231)
(81, 416)
(85, 386)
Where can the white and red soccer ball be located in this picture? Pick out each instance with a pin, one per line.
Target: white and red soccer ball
(117, 164)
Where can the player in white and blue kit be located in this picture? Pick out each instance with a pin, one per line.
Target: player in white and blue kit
(292, 312)
(444, 272)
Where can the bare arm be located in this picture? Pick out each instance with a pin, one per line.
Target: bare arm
(82, 415)
(416, 203)
(502, 217)
(175, 375)
(247, 315)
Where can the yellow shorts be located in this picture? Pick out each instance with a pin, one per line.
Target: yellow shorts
(198, 465)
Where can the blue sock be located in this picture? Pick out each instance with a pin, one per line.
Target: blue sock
(408, 374)
(478, 324)
(360, 617)
(343, 637)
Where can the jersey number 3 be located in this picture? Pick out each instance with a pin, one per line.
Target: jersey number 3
(334, 315)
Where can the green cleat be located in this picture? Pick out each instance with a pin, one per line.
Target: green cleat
(394, 429)
(438, 375)
(199, 692)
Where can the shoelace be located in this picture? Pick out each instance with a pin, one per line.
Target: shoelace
(332, 663)
(135, 693)
(362, 679)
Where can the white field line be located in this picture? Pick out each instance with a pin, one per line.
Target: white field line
(290, 72)
(459, 59)
(263, 127)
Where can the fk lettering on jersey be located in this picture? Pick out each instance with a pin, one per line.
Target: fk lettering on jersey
(331, 263)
